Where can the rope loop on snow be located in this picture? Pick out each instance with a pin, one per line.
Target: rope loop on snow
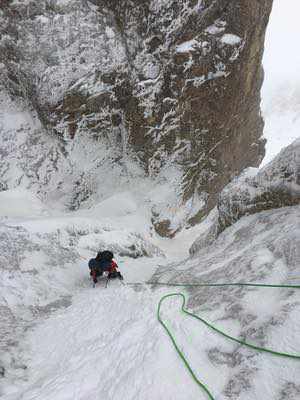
(211, 326)
(214, 328)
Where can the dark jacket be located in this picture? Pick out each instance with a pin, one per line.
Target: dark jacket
(102, 265)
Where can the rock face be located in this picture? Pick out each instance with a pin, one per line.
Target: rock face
(164, 82)
(276, 185)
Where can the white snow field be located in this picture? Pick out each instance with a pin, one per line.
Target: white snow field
(84, 343)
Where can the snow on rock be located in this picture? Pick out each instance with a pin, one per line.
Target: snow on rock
(207, 232)
(216, 28)
(230, 39)
(150, 82)
(108, 344)
(99, 139)
(261, 248)
(35, 278)
(276, 185)
(44, 260)
(187, 46)
(121, 242)
(84, 173)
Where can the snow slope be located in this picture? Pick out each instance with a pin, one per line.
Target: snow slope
(107, 343)
(44, 254)
(60, 339)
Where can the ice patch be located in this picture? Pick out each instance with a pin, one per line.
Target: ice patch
(230, 39)
(110, 33)
(214, 30)
(188, 46)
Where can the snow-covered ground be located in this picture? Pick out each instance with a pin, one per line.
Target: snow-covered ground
(72, 341)
(85, 343)
(43, 264)
(61, 339)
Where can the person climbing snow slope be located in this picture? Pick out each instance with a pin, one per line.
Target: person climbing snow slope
(104, 262)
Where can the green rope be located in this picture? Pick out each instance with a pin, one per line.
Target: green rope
(180, 353)
(212, 284)
(242, 342)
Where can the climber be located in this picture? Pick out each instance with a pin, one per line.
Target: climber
(104, 262)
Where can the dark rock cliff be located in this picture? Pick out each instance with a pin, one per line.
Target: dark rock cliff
(165, 82)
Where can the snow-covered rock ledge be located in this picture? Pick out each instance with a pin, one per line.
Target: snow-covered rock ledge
(274, 186)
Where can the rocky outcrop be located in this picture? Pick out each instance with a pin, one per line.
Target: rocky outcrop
(169, 83)
(276, 185)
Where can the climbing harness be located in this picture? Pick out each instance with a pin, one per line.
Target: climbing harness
(209, 325)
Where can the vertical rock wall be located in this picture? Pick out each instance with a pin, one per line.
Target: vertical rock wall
(171, 83)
